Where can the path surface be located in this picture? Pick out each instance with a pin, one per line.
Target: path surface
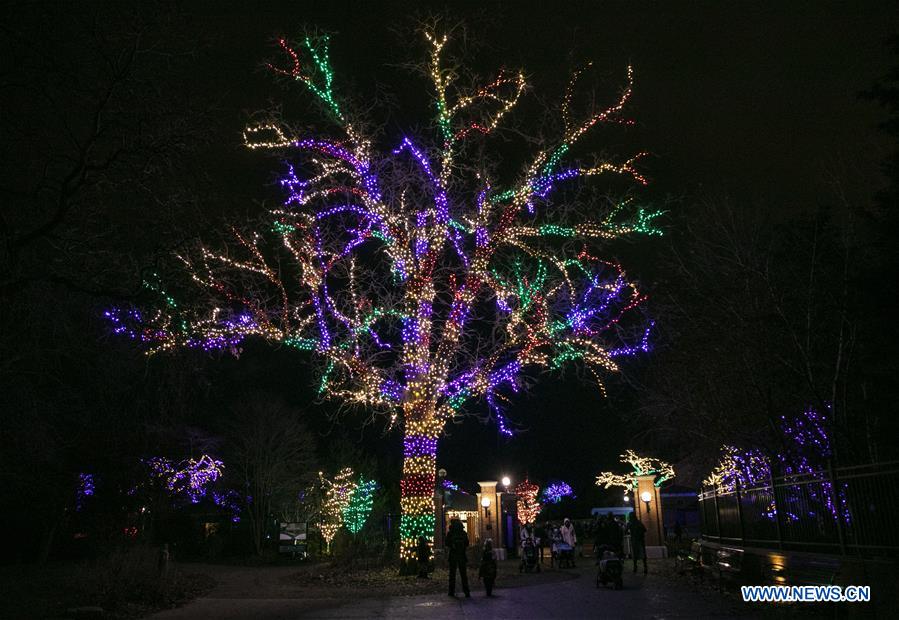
(654, 596)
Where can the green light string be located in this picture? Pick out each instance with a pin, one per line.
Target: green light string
(458, 400)
(359, 508)
(502, 196)
(642, 222)
(372, 317)
(324, 384)
(283, 229)
(302, 344)
(552, 229)
(526, 292)
(458, 226)
(323, 64)
(157, 288)
(385, 238)
(569, 353)
(413, 526)
(554, 159)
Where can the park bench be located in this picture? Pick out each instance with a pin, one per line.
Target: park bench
(689, 559)
(728, 564)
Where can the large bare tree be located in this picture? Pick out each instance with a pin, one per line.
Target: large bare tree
(419, 280)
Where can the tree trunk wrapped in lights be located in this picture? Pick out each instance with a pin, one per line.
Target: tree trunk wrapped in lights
(419, 283)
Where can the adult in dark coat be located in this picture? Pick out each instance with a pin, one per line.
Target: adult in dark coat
(457, 545)
(614, 534)
(541, 539)
(638, 541)
(600, 536)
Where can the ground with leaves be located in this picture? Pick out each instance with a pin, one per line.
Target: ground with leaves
(123, 584)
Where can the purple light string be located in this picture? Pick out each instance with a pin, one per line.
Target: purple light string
(85, 488)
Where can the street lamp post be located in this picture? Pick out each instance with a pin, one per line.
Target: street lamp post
(651, 513)
(441, 476)
(485, 502)
(488, 496)
(503, 518)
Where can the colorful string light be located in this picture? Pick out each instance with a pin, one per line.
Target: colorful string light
(229, 500)
(528, 505)
(739, 467)
(807, 447)
(190, 478)
(556, 491)
(337, 495)
(640, 466)
(84, 488)
(454, 244)
(361, 501)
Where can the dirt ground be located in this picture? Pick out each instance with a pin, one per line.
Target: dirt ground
(325, 580)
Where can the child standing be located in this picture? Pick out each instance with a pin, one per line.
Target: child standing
(487, 572)
(423, 553)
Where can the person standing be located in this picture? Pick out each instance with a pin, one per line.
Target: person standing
(423, 553)
(569, 536)
(487, 571)
(638, 542)
(555, 541)
(527, 531)
(457, 547)
(600, 535)
(541, 538)
(614, 534)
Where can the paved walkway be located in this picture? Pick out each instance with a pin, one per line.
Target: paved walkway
(654, 596)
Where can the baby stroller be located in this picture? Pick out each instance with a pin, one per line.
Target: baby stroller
(529, 557)
(609, 568)
(565, 555)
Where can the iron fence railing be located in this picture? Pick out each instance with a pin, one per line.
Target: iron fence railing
(848, 510)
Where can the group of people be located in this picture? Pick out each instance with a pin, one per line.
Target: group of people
(608, 532)
(456, 544)
(561, 539)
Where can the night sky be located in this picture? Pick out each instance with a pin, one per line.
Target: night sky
(756, 101)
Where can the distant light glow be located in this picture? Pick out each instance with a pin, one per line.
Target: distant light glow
(556, 491)
(807, 447)
(84, 489)
(190, 478)
(528, 505)
(640, 466)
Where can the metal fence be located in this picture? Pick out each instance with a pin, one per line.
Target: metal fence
(847, 510)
